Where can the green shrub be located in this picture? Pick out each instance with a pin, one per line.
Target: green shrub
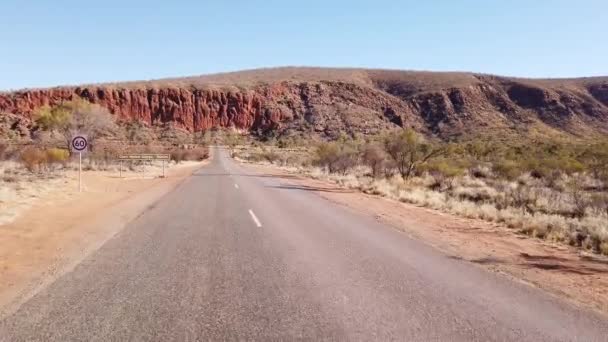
(409, 151)
(444, 168)
(508, 169)
(335, 156)
(57, 155)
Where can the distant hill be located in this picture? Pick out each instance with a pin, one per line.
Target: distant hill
(328, 101)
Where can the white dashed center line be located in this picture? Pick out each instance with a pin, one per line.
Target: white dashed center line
(236, 186)
(254, 218)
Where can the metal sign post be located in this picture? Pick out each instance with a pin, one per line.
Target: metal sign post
(79, 171)
(79, 144)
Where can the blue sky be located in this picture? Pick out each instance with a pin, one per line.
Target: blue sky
(46, 43)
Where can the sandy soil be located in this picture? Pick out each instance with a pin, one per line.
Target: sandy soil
(561, 270)
(49, 230)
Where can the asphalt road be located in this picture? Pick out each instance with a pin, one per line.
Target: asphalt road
(233, 255)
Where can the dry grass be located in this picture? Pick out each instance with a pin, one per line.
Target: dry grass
(526, 204)
(32, 172)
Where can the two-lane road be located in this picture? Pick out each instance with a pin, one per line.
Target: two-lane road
(233, 255)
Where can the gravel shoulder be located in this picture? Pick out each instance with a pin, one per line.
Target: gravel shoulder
(50, 234)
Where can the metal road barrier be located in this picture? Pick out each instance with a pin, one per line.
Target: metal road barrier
(144, 157)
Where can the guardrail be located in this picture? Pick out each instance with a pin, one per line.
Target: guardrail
(144, 157)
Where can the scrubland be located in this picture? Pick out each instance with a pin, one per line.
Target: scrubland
(551, 189)
(34, 165)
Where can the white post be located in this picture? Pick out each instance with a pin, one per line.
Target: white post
(163, 168)
(79, 171)
(120, 168)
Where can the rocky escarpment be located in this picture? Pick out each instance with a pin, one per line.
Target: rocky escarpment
(436, 103)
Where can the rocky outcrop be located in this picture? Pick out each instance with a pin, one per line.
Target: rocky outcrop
(331, 106)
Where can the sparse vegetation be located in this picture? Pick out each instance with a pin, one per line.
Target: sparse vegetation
(409, 151)
(76, 116)
(33, 159)
(197, 154)
(550, 189)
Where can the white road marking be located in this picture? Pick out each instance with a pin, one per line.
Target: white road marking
(255, 219)
(236, 186)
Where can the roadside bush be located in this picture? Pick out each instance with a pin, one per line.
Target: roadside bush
(196, 154)
(480, 171)
(33, 158)
(580, 200)
(3, 151)
(507, 169)
(375, 158)
(336, 157)
(81, 116)
(443, 174)
(270, 156)
(408, 150)
(177, 155)
(600, 202)
(56, 156)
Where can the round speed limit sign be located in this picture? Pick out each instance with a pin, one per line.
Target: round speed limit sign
(79, 143)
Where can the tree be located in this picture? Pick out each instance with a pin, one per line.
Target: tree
(596, 158)
(77, 116)
(373, 156)
(409, 150)
(336, 156)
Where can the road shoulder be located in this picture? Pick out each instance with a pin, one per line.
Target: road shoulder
(52, 237)
(562, 271)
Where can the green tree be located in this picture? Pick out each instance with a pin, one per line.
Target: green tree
(409, 151)
(77, 116)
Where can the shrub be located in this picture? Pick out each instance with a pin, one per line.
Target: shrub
(374, 157)
(33, 158)
(335, 156)
(507, 169)
(479, 171)
(3, 151)
(177, 155)
(443, 174)
(81, 116)
(600, 202)
(580, 200)
(270, 156)
(521, 196)
(196, 154)
(409, 150)
(56, 156)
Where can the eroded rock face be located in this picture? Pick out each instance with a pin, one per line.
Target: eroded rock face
(333, 107)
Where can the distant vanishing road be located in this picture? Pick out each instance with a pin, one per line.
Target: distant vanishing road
(234, 255)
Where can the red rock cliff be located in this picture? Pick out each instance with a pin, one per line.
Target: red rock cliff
(430, 102)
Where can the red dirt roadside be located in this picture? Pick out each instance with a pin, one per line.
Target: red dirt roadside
(65, 226)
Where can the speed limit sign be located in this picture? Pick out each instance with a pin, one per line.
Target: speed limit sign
(79, 143)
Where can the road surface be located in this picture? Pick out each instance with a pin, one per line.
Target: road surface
(233, 255)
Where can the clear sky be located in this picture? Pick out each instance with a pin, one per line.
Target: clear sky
(46, 43)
